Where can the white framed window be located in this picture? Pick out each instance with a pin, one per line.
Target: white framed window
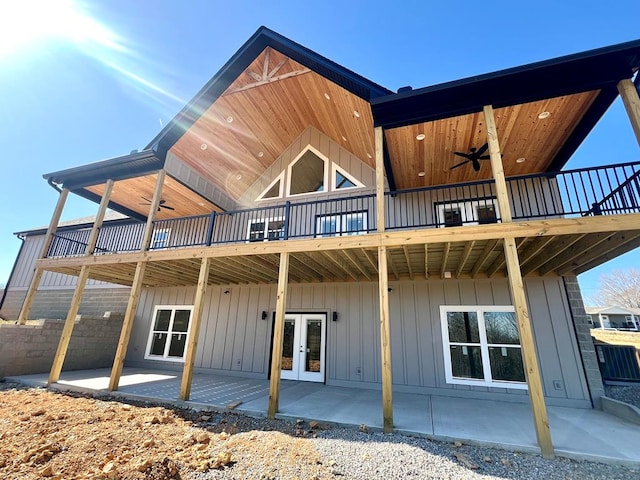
(341, 224)
(160, 238)
(308, 173)
(169, 333)
(342, 180)
(265, 229)
(274, 190)
(469, 212)
(482, 346)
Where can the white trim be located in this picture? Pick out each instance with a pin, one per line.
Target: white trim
(468, 210)
(484, 347)
(265, 231)
(165, 356)
(325, 187)
(297, 371)
(279, 178)
(335, 169)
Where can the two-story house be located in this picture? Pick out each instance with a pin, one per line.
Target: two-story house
(298, 221)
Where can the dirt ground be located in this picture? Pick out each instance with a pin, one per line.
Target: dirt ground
(69, 436)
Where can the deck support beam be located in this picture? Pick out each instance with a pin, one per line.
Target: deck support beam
(196, 320)
(37, 274)
(631, 101)
(278, 335)
(136, 287)
(67, 330)
(383, 287)
(516, 285)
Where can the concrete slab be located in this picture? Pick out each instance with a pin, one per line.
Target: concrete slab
(576, 433)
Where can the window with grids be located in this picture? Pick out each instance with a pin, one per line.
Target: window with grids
(341, 224)
(482, 346)
(169, 332)
(472, 212)
(266, 229)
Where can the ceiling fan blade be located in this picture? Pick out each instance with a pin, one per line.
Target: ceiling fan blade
(459, 164)
(476, 166)
(165, 206)
(145, 199)
(463, 155)
(485, 157)
(482, 149)
(162, 202)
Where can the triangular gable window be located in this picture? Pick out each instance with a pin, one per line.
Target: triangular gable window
(308, 173)
(274, 190)
(342, 180)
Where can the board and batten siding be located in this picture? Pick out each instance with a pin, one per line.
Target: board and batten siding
(234, 339)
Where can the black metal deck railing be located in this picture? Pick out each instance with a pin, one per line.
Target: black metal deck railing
(610, 190)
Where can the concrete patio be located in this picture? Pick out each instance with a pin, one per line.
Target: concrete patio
(581, 434)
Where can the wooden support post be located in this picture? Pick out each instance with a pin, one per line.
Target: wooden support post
(278, 334)
(37, 274)
(385, 341)
(125, 333)
(97, 223)
(516, 285)
(67, 330)
(194, 331)
(379, 179)
(631, 100)
(136, 287)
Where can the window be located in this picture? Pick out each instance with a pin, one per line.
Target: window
(473, 212)
(341, 224)
(169, 333)
(308, 173)
(341, 180)
(273, 190)
(265, 229)
(482, 346)
(160, 239)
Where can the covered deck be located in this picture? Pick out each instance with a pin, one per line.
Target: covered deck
(581, 434)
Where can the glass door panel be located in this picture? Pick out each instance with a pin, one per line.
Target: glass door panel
(289, 349)
(303, 347)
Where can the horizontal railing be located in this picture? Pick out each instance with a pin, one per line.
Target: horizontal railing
(607, 190)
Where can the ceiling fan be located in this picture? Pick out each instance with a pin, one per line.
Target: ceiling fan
(474, 156)
(160, 205)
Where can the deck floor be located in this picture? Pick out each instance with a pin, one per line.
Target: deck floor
(576, 433)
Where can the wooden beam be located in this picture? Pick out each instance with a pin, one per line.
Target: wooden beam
(488, 248)
(616, 252)
(385, 342)
(534, 248)
(445, 258)
(331, 256)
(97, 223)
(359, 265)
(372, 260)
(465, 256)
(392, 239)
(391, 264)
(127, 326)
(551, 252)
(37, 273)
(265, 65)
(595, 252)
(578, 249)
(631, 101)
(265, 81)
(527, 343)
(426, 261)
(67, 330)
(500, 262)
(278, 336)
(153, 209)
(379, 152)
(194, 331)
(407, 257)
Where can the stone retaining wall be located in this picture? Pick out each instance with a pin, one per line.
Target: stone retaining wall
(26, 349)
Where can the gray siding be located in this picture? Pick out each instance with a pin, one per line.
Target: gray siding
(234, 339)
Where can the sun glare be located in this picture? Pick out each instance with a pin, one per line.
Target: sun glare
(26, 22)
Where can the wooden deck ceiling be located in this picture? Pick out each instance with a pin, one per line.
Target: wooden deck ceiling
(543, 255)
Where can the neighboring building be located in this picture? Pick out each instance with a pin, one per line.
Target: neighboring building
(303, 222)
(619, 318)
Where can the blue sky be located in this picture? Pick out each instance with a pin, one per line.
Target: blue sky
(71, 96)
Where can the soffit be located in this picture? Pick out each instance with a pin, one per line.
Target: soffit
(521, 134)
(262, 112)
(133, 194)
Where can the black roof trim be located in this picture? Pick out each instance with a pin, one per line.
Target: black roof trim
(591, 70)
(262, 38)
(119, 168)
(112, 205)
(77, 226)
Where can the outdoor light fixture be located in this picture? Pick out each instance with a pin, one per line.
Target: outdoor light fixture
(335, 316)
(389, 289)
(264, 315)
(420, 136)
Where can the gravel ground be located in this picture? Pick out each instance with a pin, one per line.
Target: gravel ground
(627, 393)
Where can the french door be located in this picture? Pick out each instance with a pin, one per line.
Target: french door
(303, 349)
